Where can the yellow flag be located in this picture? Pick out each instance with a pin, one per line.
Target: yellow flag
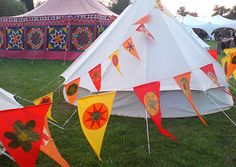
(115, 60)
(226, 62)
(229, 51)
(46, 99)
(94, 112)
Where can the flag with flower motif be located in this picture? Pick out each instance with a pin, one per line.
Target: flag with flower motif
(46, 99)
(210, 72)
(96, 76)
(183, 80)
(115, 60)
(130, 47)
(49, 148)
(21, 132)
(143, 29)
(72, 89)
(94, 113)
(143, 20)
(149, 95)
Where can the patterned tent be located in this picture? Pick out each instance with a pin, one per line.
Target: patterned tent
(56, 30)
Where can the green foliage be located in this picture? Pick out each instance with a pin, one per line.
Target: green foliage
(182, 11)
(118, 6)
(11, 8)
(125, 142)
(220, 10)
(29, 4)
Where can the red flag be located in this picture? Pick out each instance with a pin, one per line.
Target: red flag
(143, 20)
(213, 53)
(21, 132)
(149, 95)
(143, 29)
(183, 81)
(96, 77)
(210, 72)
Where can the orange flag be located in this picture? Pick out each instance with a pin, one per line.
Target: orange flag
(96, 76)
(72, 90)
(115, 60)
(21, 132)
(44, 100)
(143, 20)
(231, 65)
(143, 29)
(130, 47)
(183, 81)
(49, 148)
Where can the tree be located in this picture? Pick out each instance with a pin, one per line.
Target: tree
(118, 6)
(232, 13)
(220, 10)
(182, 11)
(29, 4)
(11, 8)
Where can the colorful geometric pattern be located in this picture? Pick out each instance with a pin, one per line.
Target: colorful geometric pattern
(1, 38)
(100, 29)
(81, 37)
(15, 38)
(35, 38)
(57, 38)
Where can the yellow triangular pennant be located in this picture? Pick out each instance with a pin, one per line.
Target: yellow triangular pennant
(94, 112)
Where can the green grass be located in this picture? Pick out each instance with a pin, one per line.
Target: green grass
(125, 142)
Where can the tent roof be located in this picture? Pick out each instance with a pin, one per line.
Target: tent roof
(7, 100)
(69, 7)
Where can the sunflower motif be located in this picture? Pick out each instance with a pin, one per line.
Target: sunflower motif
(185, 86)
(72, 89)
(23, 135)
(45, 100)
(212, 77)
(115, 60)
(151, 103)
(95, 116)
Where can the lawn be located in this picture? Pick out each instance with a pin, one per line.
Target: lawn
(125, 142)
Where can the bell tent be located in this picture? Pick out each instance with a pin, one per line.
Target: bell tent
(146, 44)
(7, 100)
(56, 30)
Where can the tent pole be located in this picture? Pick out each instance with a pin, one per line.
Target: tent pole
(69, 118)
(148, 139)
(221, 110)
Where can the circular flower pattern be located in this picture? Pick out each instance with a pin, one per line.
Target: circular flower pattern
(23, 135)
(185, 86)
(72, 89)
(151, 103)
(212, 77)
(95, 116)
(115, 60)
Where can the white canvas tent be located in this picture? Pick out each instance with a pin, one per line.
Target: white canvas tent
(172, 52)
(7, 100)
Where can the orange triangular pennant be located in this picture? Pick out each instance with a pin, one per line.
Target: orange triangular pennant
(49, 148)
(183, 81)
(96, 76)
(72, 90)
(130, 47)
(115, 60)
(143, 20)
(143, 29)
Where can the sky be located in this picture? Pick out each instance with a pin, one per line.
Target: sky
(202, 7)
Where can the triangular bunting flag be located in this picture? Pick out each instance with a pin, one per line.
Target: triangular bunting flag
(213, 53)
(96, 76)
(115, 60)
(183, 81)
(72, 90)
(231, 65)
(49, 148)
(94, 113)
(21, 132)
(143, 20)
(143, 29)
(210, 72)
(149, 95)
(44, 100)
(224, 62)
(130, 47)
